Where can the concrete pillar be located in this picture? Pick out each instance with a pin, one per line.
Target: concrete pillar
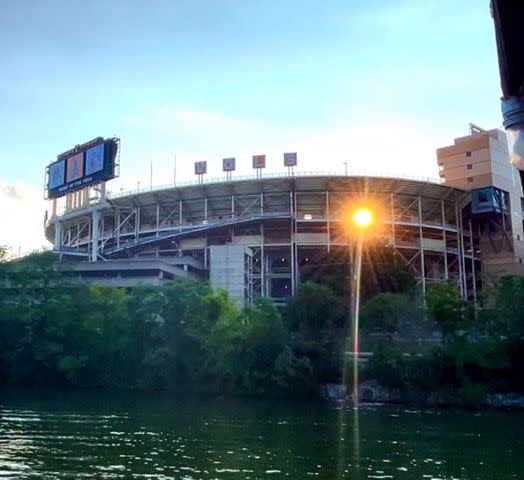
(473, 273)
(421, 241)
(393, 233)
(95, 235)
(118, 226)
(58, 235)
(292, 243)
(157, 218)
(460, 252)
(137, 223)
(444, 238)
(328, 223)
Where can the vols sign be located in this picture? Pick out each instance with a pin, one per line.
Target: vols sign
(200, 168)
(290, 159)
(228, 164)
(259, 161)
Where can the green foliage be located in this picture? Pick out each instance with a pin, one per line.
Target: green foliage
(391, 313)
(242, 348)
(472, 395)
(314, 309)
(447, 308)
(479, 354)
(186, 335)
(507, 315)
(315, 319)
(294, 374)
(386, 365)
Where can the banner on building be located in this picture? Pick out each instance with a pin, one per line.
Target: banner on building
(228, 164)
(259, 161)
(200, 168)
(290, 159)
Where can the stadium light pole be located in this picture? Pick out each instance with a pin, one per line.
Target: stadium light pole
(361, 219)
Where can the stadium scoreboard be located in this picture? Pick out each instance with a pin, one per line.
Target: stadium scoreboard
(87, 164)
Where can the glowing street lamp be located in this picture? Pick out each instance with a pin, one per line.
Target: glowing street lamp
(358, 219)
(362, 219)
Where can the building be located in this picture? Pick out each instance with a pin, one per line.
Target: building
(264, 236)
(281, 227)
(479, 163)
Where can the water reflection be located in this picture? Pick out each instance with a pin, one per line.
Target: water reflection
(136, 436)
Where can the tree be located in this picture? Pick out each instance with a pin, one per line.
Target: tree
(447, 308)
(145, 340)
(190, 312)
(314, 309)
(104, 317)
(315, 318)
(386, 365)
(508, 313)
(242, 348)
(392, 313)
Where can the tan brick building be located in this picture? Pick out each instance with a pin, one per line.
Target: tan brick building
(479, 162)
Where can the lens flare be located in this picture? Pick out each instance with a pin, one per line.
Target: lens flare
(363, 218)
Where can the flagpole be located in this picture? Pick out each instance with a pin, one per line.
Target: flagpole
(174, 173)
(151, 175)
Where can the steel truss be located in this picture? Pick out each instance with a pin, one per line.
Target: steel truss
(424, 224)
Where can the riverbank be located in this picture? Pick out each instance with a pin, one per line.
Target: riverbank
(371, 393)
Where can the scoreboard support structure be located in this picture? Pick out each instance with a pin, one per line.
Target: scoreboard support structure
(82, 200)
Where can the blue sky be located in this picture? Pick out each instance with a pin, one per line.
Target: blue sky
(377, 84)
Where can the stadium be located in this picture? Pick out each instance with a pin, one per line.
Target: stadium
(265, 235)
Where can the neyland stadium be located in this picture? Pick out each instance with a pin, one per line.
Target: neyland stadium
(263, 236)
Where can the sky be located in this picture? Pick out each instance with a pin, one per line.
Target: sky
(376, 84)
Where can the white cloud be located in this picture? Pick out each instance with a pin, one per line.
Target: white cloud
(12, 191)
(22, 210)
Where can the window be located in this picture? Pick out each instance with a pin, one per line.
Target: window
(483, 196)
(468, 154)
(470, 179)
(441, 166)
(469, 166)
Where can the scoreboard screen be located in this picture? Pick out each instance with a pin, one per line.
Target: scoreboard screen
(87, 164)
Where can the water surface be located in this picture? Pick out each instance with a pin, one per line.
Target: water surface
(50, 435)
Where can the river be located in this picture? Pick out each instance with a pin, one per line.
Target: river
(48, 435)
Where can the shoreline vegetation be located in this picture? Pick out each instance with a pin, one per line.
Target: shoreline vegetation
(186, 336)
